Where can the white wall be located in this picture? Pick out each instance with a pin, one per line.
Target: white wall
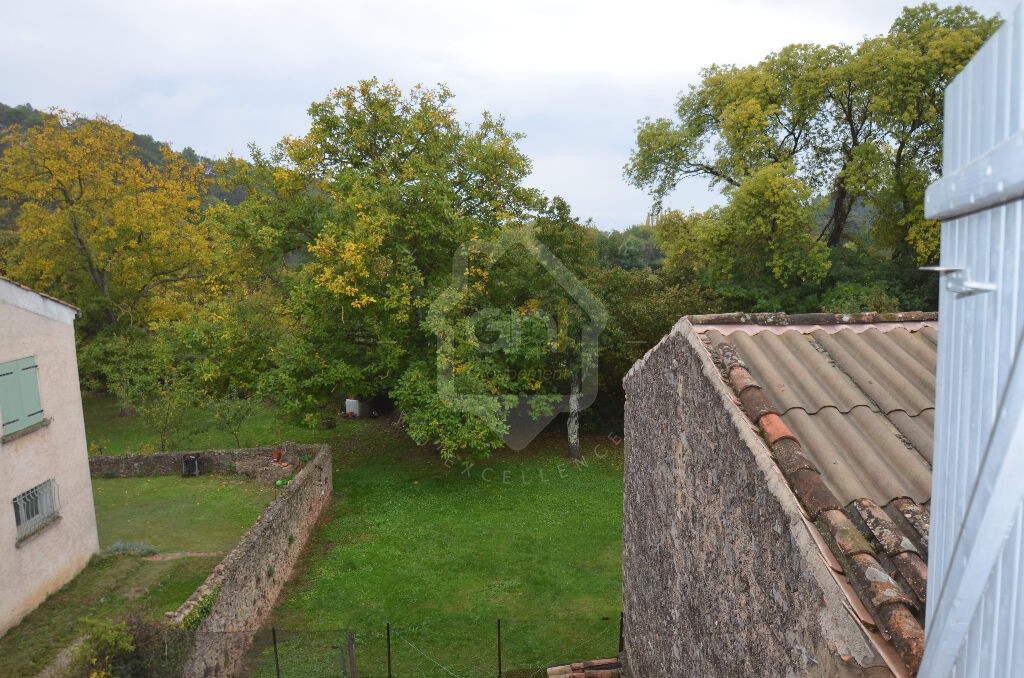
(52, 557)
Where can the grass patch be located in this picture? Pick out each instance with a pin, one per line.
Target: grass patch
(208, 513)
(175, 514)
(441, 552)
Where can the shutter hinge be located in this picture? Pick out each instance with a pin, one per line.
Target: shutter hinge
(958, 282)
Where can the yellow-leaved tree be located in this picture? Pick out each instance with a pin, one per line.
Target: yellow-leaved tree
(97, 225)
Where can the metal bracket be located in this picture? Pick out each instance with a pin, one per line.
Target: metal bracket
(958, 281)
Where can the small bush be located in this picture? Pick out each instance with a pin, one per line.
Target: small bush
(160, 650)
(104, 651)
(858, 298)
(130, 547)
(194, 617)
(131, 648)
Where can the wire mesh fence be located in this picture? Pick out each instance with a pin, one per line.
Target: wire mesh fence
(463, 648)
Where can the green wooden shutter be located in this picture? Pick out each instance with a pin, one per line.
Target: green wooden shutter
(20, 406)
(10, 396)
(30, 402)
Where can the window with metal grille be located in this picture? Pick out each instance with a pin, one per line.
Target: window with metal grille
(36, 508)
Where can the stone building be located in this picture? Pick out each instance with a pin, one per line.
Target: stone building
(777, 489)
(47, 518)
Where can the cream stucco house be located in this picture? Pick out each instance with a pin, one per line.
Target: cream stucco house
(47, 519)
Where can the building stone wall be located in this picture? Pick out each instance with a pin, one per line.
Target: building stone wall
(252, 575)
(721, 574)
(31, 325)
(170, 463)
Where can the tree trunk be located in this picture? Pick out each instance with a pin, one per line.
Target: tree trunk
(841, 209)
(574, 416)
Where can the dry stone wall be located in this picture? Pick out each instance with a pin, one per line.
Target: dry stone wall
(249, 579)
(252, 575)
(170, 463)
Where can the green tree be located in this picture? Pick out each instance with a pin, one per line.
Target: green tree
(382, 191)
(859, 128)
(753, 249)
(156, 382)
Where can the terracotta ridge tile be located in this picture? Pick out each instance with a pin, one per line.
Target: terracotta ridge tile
(893, 608)
(741, 379)
(730, 358)
(914, 571)
(918, 517)
(812, 492)
(900, 626)
(790, 457)
(880, 588)
(848, 539)
(882, 527)
(774, 428)
(756, 403)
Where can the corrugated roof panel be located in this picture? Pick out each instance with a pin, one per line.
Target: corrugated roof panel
(860, 454)
(896, 369)
(795, 373)
(919, 430)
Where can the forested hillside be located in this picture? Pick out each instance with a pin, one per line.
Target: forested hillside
(395, 253)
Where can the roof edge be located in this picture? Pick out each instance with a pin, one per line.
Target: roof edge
(783, 319)
(28, 299)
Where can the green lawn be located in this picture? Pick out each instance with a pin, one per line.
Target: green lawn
(442, 552)
(206, 514)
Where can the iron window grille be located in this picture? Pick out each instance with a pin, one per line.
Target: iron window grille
(36, 507)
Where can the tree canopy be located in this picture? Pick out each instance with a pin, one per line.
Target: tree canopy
(393, 252)
(830, 144)
(97, 225)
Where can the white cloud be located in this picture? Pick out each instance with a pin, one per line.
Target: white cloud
(574, 76)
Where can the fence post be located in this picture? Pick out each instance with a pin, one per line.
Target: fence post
(499, 647)
(352, 655)
(277, 662)
(622, 639)
(389, 649)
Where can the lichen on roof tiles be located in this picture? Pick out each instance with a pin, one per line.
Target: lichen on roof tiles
(853, 440)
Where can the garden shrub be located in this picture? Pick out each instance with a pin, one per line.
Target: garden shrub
(195, 616)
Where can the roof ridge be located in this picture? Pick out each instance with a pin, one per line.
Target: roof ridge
(782, 319)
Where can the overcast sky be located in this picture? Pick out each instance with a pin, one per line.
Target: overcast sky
(574, 77)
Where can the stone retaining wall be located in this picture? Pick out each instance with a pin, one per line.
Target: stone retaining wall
(252, 575)
(170, 463)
